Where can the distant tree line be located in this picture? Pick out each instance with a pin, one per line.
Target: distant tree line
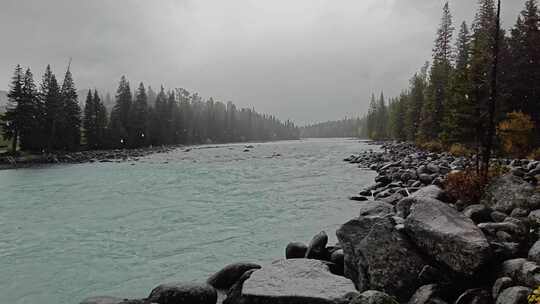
(449, 101)
(49, 118)
(347, 127)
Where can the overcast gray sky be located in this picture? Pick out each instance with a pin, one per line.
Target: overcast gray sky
(307, 60)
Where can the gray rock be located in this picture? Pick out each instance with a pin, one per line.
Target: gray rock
(534, 217)
(447, 235)
(500, 285)
(376, 208)
(393, 199)
(506, 193)
(403, 207)
(300, 281)
(295, 250)
(478, 213)
(183, 293)
(498, 216)
(513, 295)
(358, 198)
(317, 247)
(426, 294)
(230, 274)
(431, 191)
(511, 268)
(373, 297)
(529, 274)
(534, 252)
(377, 256)
(475, 296)
(425, 178)
(519, 212)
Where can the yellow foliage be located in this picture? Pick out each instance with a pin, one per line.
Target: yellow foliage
(534, 297)
(515, 133)
(460, 150)
(432, 146)
(535, 155)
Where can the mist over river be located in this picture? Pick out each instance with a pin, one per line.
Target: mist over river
(72, 231)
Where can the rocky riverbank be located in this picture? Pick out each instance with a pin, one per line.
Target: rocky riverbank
(410, 243)
(116, 155)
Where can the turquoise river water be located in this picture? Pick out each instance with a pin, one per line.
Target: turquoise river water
(72, 231)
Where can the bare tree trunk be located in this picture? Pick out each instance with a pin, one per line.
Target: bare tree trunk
(493, 97)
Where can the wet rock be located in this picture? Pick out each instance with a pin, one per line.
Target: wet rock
(377, 256)
(393, 198)
(529, 274)
(317, 247)
(295, 250)
(376, 208)
(511, 268)
(230, 274)
(475, 296)
(300, 281)
(431, 191)
(183, 293)
(498, 216)
(478, 213)
(338, 258)
(506, 193)
(513, 295)
(519, 212)
(534, 252)
(358, 198)
(499, 285)
(373, 297)
(427, 294)
(447, 235)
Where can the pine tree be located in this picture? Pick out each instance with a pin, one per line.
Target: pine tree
(433, 108)
(89, 121)
(12, 118)
(372, 118)
(524, 72)
(381, 119)
(101, 121)
(138, 122)
(52, 100)
(71, 124)
(31, 116)
(120, 114)
(415, 103)
(458, 122)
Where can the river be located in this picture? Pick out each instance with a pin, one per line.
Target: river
(72, 231)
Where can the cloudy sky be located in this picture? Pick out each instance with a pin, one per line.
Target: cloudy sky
(307, 60)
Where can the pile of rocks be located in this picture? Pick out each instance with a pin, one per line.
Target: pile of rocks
(81, 157)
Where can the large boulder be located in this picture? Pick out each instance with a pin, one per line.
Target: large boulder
(513, 295)
(447, 235)
(229, 275)
(317, 247)
(176, 293)
(295, 250)
(431, 191)
(379, 257)
(298, 281)
(373, 297)
(427, 294)
(508, 192)
(376, 208)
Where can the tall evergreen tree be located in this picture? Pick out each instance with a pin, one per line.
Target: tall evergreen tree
(13, 118)
(138, 123)
(71, 128)
(458, 121)
(52, 100)
(101, 120)
(416, 103)
(119, 122)
(89, 122)
(433, 108)
(31, 116)
(524, 73)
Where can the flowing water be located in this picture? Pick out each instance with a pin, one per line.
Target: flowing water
(72, 231)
